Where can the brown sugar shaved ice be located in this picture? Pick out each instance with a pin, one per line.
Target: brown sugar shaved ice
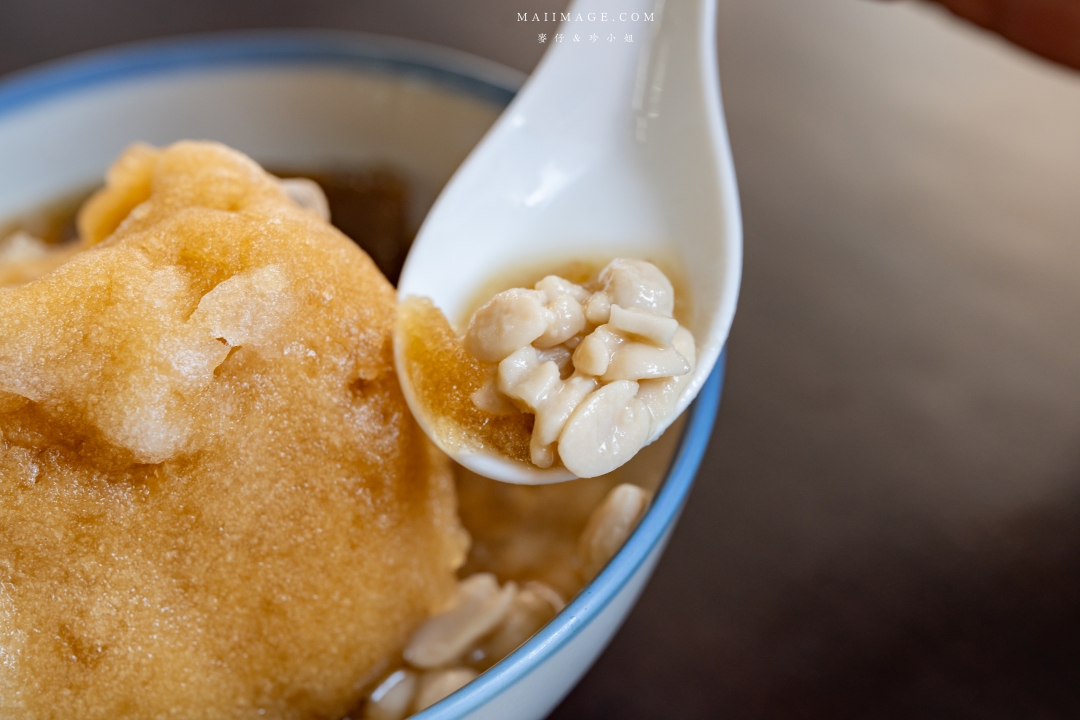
(213, 500)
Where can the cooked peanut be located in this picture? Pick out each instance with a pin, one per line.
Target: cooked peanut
(598, 308)
(562, 348)
(594, 353)
(609, 526)
(546, 592)
(308, 195)
(532, 608)
(488, 398)
(541, 455)
(606, 430)
(561, 355)
(638, 284)
(509, 321)
(440, 684)
(568, 321)
(524, 378)
(661, 395)
(22, 247)
(645, 324)
(640, 361)
(551, 416)
(393, 697)
(480, 605)
(553, 286)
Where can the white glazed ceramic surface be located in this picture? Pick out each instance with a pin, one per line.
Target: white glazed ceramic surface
(356, 106)
(329, 99)
(612, 148)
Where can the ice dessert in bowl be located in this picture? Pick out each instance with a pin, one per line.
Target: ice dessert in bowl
(205, 495)
(211, 484)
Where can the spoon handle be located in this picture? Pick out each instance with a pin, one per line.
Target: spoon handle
(608, 71)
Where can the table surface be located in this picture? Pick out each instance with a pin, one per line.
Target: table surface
(886, 522)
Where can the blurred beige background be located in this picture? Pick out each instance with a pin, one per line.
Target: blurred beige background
(886, 523)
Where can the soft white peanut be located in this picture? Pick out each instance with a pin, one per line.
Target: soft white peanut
(541, 455)
(532, 608)
(509, 321)
(644, 324)
(573, 356)
(393, 698)
(440, 684)
(639, 361)
(546, 592)
(488, 398)
(683, 341)
(308, 195)
(638, 284)
(607, 429)
(561, 355)
(594, 353)
(661, 395)
(21, 246)
(516, 367)
(609, 526)
(552, 414)
(480, 605)
(524, 378)
(598, 308)
(554, 286)
(568, 321)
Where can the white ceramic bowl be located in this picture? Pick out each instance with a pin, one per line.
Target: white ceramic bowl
(318, 99)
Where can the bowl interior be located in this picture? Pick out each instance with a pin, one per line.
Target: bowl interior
(308, 100)
(286, 100)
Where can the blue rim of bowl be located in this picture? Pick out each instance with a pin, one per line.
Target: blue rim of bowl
(445, 67)
(457, 71)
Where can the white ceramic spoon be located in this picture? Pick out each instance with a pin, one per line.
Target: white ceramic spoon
(612, 148)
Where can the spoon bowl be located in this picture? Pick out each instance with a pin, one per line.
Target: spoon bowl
(615, 147)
